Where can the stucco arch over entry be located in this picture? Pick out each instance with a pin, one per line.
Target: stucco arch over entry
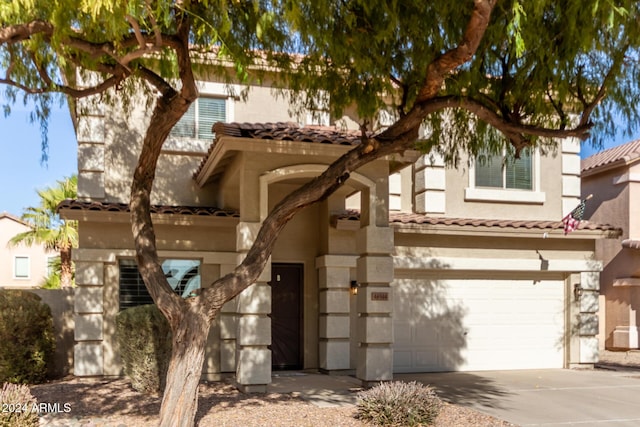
(311, 170)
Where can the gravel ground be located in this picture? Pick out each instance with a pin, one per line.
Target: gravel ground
(113, 403)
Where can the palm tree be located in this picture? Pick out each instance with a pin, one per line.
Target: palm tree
(49, 230)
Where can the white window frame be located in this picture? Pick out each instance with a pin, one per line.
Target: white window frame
(206, 90)
(508, 195)
(28, 276)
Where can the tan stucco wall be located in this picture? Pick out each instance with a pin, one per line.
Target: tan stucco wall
(550, 171)
(262, 106)
(109, 150)
(61, 302)
(634, 201)
(616, 203)
(187, 237)
(38, 257)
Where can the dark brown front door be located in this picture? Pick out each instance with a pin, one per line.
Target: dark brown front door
(286, 316)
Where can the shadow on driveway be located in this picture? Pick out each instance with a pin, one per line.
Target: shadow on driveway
(462, 388)
(551, 397)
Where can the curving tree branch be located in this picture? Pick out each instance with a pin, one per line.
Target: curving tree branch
(452, 59)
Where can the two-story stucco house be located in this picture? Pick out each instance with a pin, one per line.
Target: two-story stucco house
(613, 177)
(21, 266)
(436, 269)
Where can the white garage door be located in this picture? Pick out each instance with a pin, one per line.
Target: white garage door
(477, 324)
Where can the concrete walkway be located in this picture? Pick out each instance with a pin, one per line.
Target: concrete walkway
(320, 390)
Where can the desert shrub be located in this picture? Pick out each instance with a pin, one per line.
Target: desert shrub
(18, 406)
(144, 336)
(398, 404)
(27, 342)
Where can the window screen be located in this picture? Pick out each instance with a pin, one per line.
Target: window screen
(132, 290)
(183, 276)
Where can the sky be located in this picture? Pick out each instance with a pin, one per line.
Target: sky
(21, 172)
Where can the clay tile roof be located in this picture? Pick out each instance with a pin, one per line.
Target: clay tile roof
(409, 218)
(287, 131)
(282, 131)
(622, 153)
(419, 219)
(156, 209)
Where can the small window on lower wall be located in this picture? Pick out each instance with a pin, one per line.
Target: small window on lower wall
(21, 267)
(183, 276)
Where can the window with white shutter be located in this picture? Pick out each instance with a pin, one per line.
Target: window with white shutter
(199, 119)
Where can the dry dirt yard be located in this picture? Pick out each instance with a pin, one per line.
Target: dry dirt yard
(113, 403)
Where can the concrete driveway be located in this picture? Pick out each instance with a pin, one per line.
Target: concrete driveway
(544, 397)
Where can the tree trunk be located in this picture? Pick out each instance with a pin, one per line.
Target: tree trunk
(66, 273)
(180, 400)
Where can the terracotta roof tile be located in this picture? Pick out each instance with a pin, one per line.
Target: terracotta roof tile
(156, 209)
(282, 131)
(408, 218)
(622, 153)
(419, 219)
(287, 131)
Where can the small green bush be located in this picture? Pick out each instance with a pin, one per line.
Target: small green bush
(144, 336)
(398, 404)
(27, 342)
(18, 406)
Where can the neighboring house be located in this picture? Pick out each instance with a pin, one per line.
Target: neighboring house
(613, 177)
(21, 266)
(438, 269)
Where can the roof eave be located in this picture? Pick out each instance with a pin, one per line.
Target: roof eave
(484, 231)
(624, 161)
(227, 144)
(157, 218)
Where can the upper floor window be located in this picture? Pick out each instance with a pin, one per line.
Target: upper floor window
(183, 276)
(21, 267)
(503, 178)
(499, 171)
(198, 120)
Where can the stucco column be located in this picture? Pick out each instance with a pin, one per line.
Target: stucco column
(334, 293)
(583, 313)
(253, 332)
(89, 319)
(374, 304)
(228, 328)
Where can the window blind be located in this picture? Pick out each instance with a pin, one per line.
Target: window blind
(210, 111)
(198, 120)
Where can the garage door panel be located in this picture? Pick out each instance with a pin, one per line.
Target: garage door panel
(478, 324)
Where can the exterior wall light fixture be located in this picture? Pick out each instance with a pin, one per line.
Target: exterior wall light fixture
(354, 287)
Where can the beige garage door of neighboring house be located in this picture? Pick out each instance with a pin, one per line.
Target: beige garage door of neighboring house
(477, 324)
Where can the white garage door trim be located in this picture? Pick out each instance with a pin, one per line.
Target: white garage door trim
(477, 324)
